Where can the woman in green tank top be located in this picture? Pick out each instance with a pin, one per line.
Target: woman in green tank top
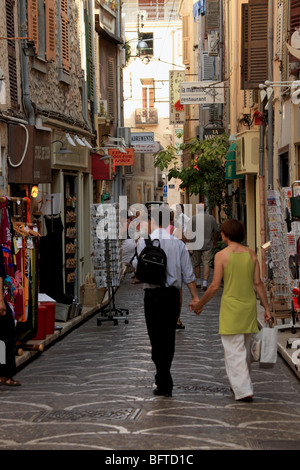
(238, 266)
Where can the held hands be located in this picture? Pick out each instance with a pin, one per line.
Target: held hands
(194, 306)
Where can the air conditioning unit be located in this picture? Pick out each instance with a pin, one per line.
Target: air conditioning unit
(247, 152)
(213, 44)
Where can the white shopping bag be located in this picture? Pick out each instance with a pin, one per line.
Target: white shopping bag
(268, 346)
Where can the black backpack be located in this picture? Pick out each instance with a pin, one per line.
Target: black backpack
(152, 263)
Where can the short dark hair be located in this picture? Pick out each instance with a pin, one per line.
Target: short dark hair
(234, 230)
(161, 216)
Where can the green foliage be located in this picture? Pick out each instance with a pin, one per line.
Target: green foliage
(206, 172)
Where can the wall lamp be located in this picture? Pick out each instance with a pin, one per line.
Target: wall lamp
(70, 140)
(63, 149)
(267, 89)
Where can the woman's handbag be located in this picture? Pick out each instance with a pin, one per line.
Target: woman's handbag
(88, 292)
(264, 347)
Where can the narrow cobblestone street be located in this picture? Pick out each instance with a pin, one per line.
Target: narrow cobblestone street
(93, 391)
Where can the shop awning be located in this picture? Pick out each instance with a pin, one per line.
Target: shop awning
(100, 168)
(230, 173)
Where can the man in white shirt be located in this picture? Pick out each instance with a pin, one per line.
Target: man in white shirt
(162, 304)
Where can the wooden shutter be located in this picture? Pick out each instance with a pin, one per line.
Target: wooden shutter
(50, 29)
(208, 66)
(110, 87)
(11, 49)
(151, 97)
(185, 40)
(65, 35)
(144, 97)
(254, 61)
(89, 55)
(33, 23)
(212, 16)
(294, 22)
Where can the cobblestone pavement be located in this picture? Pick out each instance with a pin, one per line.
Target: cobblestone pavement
(93, 390)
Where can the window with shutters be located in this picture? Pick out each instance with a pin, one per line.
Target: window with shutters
(89, 57)
(41, 27)
(254, 60)
(212, 17)
(64, 32)
(147, 92)
(185, 40)
(110, 88)
(11, 49)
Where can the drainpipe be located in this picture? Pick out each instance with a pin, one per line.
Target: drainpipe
(270, 104)
(24, 65)
(262, 198)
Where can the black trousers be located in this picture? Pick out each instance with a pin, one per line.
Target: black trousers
(162, 309)
(8, 336)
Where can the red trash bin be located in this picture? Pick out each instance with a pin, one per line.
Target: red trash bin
(50, 324)
(42, 323)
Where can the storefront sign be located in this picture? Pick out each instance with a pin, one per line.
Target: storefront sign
(210, 132)
(177, 111)
(141, 138)
(201, 93)
(147, 148)
(122, 159)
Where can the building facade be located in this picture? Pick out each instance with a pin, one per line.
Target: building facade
(59, 98)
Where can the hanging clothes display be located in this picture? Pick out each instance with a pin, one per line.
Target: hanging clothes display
(19, 244)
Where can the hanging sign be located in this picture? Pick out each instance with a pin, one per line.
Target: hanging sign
(202, 92)
(177, 111)
(122, 159)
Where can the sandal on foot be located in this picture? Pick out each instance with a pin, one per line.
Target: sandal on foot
(3, 380)
(10, 382)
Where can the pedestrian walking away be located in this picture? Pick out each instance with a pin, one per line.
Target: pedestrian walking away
(162, 303)
(203, 255)
(238, 266)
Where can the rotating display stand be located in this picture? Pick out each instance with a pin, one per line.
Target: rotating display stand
(107, 264)
(111, 313)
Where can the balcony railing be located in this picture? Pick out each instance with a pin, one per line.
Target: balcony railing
(146, 116)
(154, 11)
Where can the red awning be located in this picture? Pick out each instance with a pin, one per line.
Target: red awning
(100, 168)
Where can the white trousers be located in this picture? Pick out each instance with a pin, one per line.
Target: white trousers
(238, 364)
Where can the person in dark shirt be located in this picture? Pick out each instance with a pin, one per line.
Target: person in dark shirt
(7, 336)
